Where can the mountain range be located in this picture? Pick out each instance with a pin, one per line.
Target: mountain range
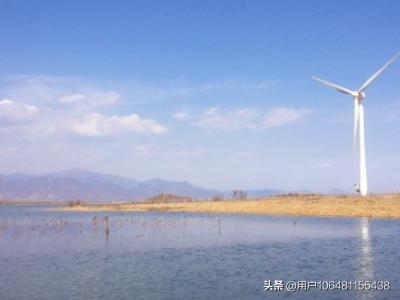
(90, 186)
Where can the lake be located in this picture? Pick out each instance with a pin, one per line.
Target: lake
(46, 254)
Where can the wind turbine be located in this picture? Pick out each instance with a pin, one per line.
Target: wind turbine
(358, 126)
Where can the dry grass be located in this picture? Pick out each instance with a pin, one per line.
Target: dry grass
(375, 206)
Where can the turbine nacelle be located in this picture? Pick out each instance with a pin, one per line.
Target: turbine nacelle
(359, 95)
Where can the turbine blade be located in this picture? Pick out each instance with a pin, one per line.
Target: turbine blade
(379, 72)
(355, 125)
(335, 86)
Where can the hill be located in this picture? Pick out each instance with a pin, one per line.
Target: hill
(95, 187)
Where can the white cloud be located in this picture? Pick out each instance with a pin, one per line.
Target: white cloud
(13, 112)
(280, 116)
(191, 152)
(91, 100)
(245, 118)
(181, 116)
(181, 89)
(248, 118)
(71, 99)
(95, 124)
(60, 92)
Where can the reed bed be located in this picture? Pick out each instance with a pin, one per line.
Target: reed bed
(374, 206)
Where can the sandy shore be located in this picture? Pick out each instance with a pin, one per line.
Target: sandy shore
(375, 206)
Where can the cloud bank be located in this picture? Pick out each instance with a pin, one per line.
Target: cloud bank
(14, 113)
(248, 118)
(95, 124)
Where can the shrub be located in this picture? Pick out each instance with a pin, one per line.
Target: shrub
(239, 195)
(217, 198)
(168, 198)
(73, 203)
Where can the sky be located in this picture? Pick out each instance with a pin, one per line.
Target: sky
(217, 93)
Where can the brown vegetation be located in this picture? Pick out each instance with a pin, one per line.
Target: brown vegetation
(167, 198)
(379, 206)
(74, 203)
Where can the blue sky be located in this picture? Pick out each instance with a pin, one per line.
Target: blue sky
(218, 93)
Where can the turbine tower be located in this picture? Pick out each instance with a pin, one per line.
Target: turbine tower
(358, 126)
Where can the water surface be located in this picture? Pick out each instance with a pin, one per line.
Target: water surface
(62, 255)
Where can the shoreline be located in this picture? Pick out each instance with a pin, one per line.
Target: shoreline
(374, 206)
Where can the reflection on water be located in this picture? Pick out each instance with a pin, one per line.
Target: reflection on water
(48, 255)
(366, 257)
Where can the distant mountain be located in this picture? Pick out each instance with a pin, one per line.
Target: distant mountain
(96, 187)
(90, 186)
